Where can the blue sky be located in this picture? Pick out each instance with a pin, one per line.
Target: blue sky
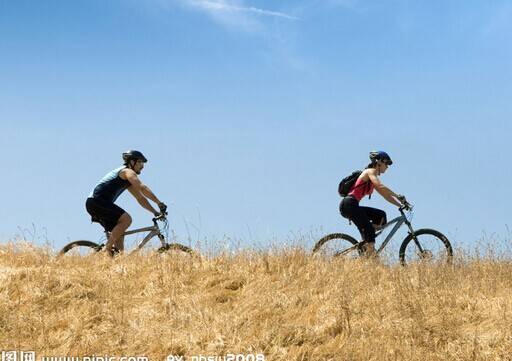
(251, 111)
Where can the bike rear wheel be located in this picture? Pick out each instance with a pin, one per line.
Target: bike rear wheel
(426, 245)
(80, 248)
(338, 245)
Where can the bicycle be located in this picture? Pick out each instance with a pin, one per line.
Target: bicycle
(421, 245)
(84, 247)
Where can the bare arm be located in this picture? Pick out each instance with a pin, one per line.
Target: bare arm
(136, 189)
(149, 194)
(384, 191)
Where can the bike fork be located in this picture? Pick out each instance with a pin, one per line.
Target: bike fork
(415, 239)
(162, 239)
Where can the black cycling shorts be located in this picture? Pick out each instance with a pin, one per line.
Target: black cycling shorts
(105, 213)
(363, 217)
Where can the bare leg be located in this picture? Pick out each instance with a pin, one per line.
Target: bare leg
(116, 236)
(369, 250)
(119, 244)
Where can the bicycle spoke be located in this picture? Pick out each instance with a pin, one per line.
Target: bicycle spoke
(337, 245)
(427, 247)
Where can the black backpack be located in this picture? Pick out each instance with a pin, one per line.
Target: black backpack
(347, 183)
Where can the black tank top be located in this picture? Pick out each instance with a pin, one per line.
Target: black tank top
(110, 187)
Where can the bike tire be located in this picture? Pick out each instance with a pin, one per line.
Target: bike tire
(436, 248)
(81, 246)
(338, 244)
(176, 248)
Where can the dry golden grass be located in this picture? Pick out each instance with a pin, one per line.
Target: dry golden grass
(285, 304)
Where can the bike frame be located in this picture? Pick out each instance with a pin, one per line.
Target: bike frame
(153, 231)
(400, 220)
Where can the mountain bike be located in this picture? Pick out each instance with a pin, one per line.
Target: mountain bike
(84, 247)
(419, 245)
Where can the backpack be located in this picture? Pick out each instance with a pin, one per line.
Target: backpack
(347, 183)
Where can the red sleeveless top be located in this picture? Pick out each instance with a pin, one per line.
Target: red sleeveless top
(361, 189)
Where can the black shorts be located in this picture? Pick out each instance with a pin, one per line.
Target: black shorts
(363, 217)
(105, 213)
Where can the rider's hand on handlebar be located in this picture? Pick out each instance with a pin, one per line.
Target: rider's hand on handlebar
(403, 200)
(159, 216)
(163, 207)
(406, 207)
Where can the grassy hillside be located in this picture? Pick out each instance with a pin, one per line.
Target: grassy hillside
(285, 304)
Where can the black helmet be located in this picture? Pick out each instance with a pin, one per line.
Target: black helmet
(133, 155)
(380, 155)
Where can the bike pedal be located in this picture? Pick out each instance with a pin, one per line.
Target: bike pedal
(114, 251)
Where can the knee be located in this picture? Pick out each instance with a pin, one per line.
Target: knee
(383, 217)
(125, 220)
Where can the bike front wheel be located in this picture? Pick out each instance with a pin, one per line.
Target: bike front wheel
(176, 248)
(338, 245)
(80, 248)
(426, 245)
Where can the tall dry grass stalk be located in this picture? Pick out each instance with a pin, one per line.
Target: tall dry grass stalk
(285, 304)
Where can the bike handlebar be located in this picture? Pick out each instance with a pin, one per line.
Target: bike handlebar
(405, 205)
(160, 217)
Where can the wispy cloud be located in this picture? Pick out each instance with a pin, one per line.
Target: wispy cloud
(274, 27)
(223, 6)
(238, 14)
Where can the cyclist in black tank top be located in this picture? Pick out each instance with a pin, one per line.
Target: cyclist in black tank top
(100, 204)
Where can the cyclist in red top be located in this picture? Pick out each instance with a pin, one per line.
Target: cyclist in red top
(369, 219)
